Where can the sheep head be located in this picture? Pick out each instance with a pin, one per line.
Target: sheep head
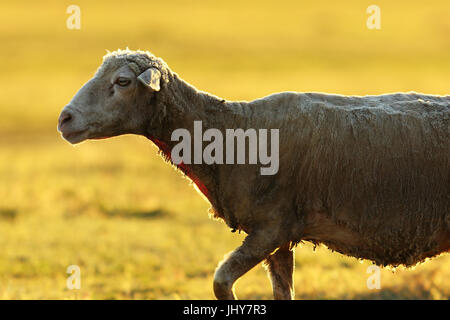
(115, 100)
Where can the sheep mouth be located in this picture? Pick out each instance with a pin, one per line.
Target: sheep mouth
(75, 136)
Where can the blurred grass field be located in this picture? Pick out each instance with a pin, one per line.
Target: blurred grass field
(136, 228)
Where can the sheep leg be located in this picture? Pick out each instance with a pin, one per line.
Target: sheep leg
(255, 248)
(280, 266)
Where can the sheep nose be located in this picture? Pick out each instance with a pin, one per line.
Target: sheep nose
(65, 117)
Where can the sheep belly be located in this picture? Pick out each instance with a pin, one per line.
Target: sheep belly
(338, 236)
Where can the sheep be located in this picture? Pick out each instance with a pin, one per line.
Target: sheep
(367, 176)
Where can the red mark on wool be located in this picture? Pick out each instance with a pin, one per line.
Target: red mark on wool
(182, 166)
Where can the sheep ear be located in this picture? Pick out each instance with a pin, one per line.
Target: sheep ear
(151, 78)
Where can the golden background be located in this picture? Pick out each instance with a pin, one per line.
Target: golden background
(133, 225)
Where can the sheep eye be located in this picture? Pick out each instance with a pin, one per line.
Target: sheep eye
(123, 82)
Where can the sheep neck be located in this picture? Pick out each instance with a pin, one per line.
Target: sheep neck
(178, 106)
